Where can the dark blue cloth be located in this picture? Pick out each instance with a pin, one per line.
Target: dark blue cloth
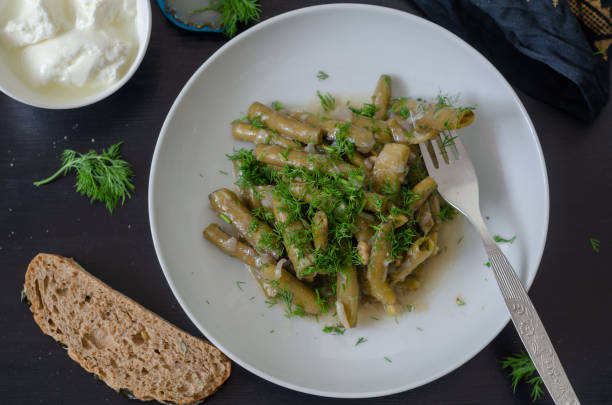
(539, 48)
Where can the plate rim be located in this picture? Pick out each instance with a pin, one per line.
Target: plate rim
(162, 135)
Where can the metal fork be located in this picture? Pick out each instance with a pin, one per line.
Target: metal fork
(452, 169)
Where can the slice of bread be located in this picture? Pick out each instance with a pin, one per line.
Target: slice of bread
(127, 346)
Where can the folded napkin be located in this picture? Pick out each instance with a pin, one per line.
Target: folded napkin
(554, 50)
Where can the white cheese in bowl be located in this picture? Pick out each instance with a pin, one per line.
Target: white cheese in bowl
(95, 14)
(36, 21)
(69, 44)
(76, 58)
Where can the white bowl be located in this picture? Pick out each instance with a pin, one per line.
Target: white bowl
(278, 60)
(15, 88)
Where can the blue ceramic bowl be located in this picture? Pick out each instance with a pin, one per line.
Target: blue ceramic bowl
(177, 11)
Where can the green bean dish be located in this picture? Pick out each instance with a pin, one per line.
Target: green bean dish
(335, 207)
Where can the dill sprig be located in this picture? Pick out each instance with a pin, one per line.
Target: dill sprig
(252, 171)
(328, 102)
(322, 75)
(233, 12)
(368, 110)
(334, 330)
(401, 240)
(445, 101)
(447, 213)
(360, 341)
(522, 368)
(594, 244)
(499, 239)
(447, 140)
(103, 177)
(342, 146)
(292, 309)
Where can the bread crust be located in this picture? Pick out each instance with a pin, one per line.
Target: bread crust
(130, 348)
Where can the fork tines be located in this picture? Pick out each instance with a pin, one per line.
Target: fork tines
(442, 150)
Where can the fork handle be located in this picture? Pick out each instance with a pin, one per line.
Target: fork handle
(530, 328)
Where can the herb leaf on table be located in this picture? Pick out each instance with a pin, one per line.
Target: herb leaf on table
(522, 368)
(103, 177)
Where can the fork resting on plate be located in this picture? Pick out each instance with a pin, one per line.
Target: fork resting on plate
(450, 166)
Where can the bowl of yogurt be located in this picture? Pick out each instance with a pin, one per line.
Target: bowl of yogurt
(61, 54)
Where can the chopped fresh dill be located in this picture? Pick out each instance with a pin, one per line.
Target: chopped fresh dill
(398, 103)
(271, 302)
(223, 172)
(447, 212)
(595, 244)
(239, 285)
(251, 299)
(447, 140)
(285, 153)
(368, 110)
(292, 310)
(404, 112)
(271, 241)
(375, 318)
(253, 226)
(252, 171)
(387, 359)
(360, 341)
(328, 102)
(460, 302)
(459, 240)
(410, 308)
(522, 369)
(277, 105)
(255, 122)
(342, 146)
(488, 264)
(225, 218)
(322, 75)
(401, 240)
(334, 330)
(321, 301)
(263, 214)
(499, 239)
(408, 196)
(445, 101)
(387, 81)
(387, 188)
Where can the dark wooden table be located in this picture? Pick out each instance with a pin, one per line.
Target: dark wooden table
(573, 289)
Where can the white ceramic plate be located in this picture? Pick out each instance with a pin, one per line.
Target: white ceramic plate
(278, 60)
